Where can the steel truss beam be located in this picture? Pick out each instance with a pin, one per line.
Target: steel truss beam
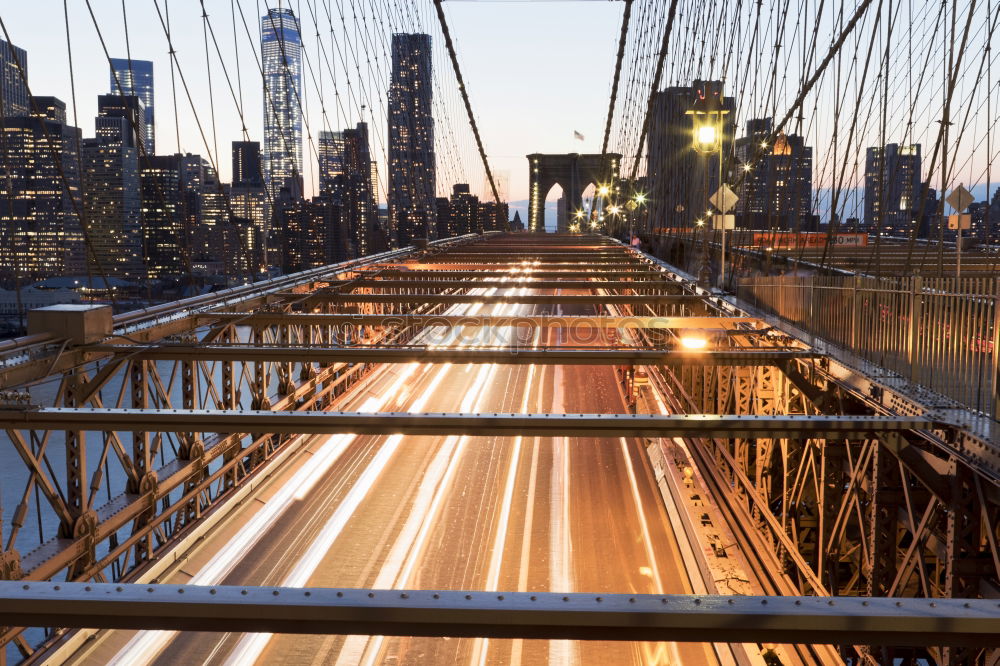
(510, 282)
(538, 615)
(529, 299)
(537, 321)
(510, 425)
(641, 272)
(501, 355)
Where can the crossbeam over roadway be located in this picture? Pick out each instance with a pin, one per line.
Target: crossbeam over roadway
(511, 281)
(539, 321)
(561, 355)
(492, 424)
(527, 299)
(593, 272)
(534, 615)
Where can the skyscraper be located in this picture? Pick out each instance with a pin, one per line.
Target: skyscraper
(892, 188)
(775, 179)
(12, 80)
(162, 216)
(132, 110)
(464, 211)
(112, 192)
(40, 232)
(331, 160)
(359, 208)
(135, 77)
(246, 164)
(281, 49)
(247, 198)
(680, 180)
(412, 182)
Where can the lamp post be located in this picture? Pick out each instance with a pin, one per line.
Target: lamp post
(706, 115)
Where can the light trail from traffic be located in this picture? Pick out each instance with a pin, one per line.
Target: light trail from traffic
(479, 512)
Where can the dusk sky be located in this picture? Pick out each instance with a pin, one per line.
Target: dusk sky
(536, 72)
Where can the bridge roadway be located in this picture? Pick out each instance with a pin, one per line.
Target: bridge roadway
(472, 513)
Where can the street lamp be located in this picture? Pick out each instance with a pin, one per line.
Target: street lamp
(706, 114)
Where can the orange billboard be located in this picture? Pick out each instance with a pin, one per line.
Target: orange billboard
(793, 240)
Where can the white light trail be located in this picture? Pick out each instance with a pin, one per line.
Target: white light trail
(251, 646)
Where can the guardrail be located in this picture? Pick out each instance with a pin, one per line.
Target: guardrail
(939, 333)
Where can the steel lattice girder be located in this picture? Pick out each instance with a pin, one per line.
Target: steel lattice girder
(500, 355)
(593, 272)
(528, 299)
(541, 615)
(536, 321)
(487, 423)
(512, 281)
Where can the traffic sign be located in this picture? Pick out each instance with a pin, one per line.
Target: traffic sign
(960, 198)
(724, 198)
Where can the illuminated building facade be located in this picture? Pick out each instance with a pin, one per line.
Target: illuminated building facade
(12, 80)
(359, 208)
(112, 192)
(412, 181)
(281, 49)
(135, 77)
(163, 218)
(892, 188)
(40, 234)
(330, 148)
(775, 179)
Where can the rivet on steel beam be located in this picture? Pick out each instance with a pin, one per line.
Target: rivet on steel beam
(212, 591)
(308, 593)
(340, 594)
(404, 595)
(830, 602)
(798, 602)
(437, 596)
(730, 601)
(534, 598)
(275, 593)
(117, 589)
(763, 602)
(57, 588)
(371, 595)
(468, 597)
(500, 597)
(864, 603)
(28, 587)
(180, 591)
(243, 592)
(88, 588)
(599, 600)
(631, 600)
(697, 601)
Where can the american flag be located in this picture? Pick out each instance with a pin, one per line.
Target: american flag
(577, 135)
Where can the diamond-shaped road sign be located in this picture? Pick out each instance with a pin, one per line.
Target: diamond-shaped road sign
(724, 198)
(960, 198)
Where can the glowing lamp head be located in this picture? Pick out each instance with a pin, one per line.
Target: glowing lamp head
(693, 342)
(604, 190)
(640, 198)
(705, 135)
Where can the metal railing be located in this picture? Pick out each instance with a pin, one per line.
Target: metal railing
(939, 333)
